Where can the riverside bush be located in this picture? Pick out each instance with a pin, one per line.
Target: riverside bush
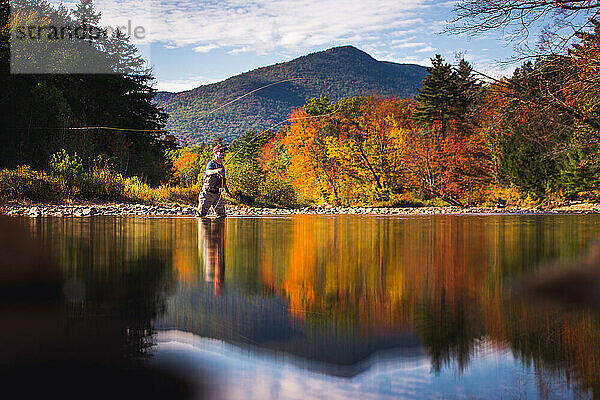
(244, 181)
(274, 191)
(137, 190)
(23, 183)
(70, 168)
(177, 194)
(101, 183)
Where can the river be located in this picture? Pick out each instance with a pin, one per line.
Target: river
(314, 306)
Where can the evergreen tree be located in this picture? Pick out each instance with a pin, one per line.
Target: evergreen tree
(447, 95)
(470, 94)
(85, 13)
(532, 143)
(434, 101)
(450, 158)
(122, 54)
(42, 107)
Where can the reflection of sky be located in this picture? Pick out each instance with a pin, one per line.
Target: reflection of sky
(237, 373)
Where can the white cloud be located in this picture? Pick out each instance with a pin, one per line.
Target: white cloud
(408, 45)
(262, 26)
(205, 48)
(180, 85)
(451, 3)
(427, 49)
(239, 50)
(494, 70)
(411, 59)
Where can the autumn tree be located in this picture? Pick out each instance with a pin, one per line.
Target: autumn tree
(274, 160)
(580, 175)
(528, 142)
(349, 151)
(313, 171)
(371, 144)
(561, 24)
(187, 167)
(449, 157)
(546, 136)
(274, 157)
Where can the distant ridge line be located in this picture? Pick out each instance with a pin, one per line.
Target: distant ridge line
(239, 105)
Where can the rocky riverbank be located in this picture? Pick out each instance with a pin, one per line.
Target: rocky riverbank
(174, 210)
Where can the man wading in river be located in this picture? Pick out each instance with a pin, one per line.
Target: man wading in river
(214, 181)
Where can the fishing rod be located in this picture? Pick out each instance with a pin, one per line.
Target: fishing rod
(164, 130)
(249, 93)
(277, 124)
(97, 127)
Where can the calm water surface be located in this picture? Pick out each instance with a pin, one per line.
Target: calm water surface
(336, 306)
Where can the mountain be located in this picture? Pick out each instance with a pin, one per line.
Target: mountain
(338, 72)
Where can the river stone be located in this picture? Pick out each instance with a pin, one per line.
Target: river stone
(88, 211)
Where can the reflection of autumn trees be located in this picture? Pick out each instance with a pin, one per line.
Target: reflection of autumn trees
(444, 277)
(558, 342)
(186, 252)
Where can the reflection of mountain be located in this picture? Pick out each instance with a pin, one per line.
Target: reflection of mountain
(265, 322)
(443, 277)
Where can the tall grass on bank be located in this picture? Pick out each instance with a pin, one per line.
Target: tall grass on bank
(67, 179)
(24, 183)
(100, 184)
(136, 190)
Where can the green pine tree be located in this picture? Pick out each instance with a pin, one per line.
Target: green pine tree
(433, 100)
(447, 95)
(85, 13)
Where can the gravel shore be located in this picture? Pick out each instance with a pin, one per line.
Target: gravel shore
(173, 210)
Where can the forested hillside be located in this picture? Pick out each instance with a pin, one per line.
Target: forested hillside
(338, 72)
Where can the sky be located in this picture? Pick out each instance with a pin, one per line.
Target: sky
(189, 43)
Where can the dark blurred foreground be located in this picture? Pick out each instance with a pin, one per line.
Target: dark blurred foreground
(575, 286)
(47, 350)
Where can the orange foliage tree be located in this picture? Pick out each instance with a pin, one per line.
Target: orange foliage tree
(187, 167)
(314, 172)
(274, 158)
(371, 143)
(349, 151)
(368, 149)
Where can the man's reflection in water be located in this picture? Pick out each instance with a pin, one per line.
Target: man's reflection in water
(211, 236)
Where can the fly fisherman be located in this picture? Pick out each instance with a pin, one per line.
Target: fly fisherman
(214, 181)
